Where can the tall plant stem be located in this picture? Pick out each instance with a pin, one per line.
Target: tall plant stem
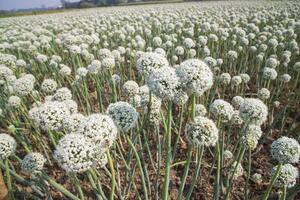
(165, 193)
(113, 176)
(273, 179)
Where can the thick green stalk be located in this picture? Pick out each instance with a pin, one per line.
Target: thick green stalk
(248, 174)
(165, 193)
(185, 172)
(273, 179)
(59, 187)
(140, 166)
(197, 171)
(8, 179)
(113, 176)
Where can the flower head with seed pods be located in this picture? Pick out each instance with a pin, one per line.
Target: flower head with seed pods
(287, 176)
(269, 73)
(150, 61)
(8, 146)
(263, 93)
(163, 83)
(221, 110)
(33, 163)
(200, 110)
(237, 101)
(14, 101)
(130, 88)
(100, 129)
(286, 150)
(24, 85)
(253, 111)
(123, 114)
(52, 114)
(239, 170)
(49, 86)
(75, 153)
(72, 122)
(195, 76)
(202, 131)
(62, 94)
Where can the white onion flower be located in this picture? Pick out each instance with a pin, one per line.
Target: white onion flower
(253, 111)
(99, 128)
(123, 114)
(286, 150)
(75, 153)
(52, 115)
(49, 86)
(33, 163)
(195, 76)
(221, 110)
(130, 88)
(149, 62)
(287, 176)
(202, 131)
(62, 94)
(8, 146)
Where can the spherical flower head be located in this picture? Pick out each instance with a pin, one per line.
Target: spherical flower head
(249, 141)
(62, 94)
(72, 122)
(236, 81)
(108, 63)
(200, 110)
(237, 101)
(179, 51)
(148, 62)
(285, 78)
(257, 178)
(52, 115)
(130, 88)
(238, 172)
(5, 72)
(236, 118)
(48, 86)
(253, 111)
(286, 150)
(202, 131)
(82, 72)
(101, 160)
(188, 43)
(65, 71)
(94, 67)
(24, 85)
(116, 78)
(135, 100)
(287, 176)
(210, 61)
(252, 129)
(100, 129)
(263, 93)
(123, 114)
(272, 62)
(276, 104)
(221, 110)
(104, 53)
(195, 76)
(180, 97)
(163, 82)
(33, 163)
(224, 78)
(296, 66)
(232, 55)
(75, 153)
(8, 146)
(14, 101)
(245, 78)
(228, 154)
(71, 105)
(269, 73)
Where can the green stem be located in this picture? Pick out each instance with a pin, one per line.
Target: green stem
(185, 172)
(113, 176)
(165, 193)
(59, 187)
(8, 179)
(274, 177)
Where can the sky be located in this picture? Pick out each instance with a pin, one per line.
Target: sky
(25, 4)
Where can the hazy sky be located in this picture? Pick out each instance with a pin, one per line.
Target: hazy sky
(17, 4)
